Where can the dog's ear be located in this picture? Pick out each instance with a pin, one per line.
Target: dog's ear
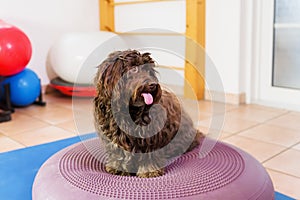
(158, 94)
(110, 74)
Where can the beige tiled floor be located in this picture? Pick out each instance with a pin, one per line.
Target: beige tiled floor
(271, 135)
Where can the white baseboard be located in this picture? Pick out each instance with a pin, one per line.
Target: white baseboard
(229, 98)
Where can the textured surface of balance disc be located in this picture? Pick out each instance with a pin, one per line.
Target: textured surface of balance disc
(224, 173)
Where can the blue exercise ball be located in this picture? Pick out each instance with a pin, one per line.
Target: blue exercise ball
(25, 87)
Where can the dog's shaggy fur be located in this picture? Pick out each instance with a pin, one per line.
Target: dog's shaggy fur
(141, 125)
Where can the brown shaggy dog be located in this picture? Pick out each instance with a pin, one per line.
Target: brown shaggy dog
(142, 126)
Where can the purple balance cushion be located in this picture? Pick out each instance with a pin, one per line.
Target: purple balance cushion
(225, 173)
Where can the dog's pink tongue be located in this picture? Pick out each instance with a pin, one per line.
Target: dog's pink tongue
(147, 98)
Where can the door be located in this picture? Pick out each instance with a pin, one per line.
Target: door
(279, 55)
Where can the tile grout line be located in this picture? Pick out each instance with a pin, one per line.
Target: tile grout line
(275, 155)
(283, 151)
(16, 141)
(258, 124)
(292, 147)
(284, 173)
(286, 148)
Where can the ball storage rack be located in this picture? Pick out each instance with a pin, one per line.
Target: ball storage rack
(6, 106)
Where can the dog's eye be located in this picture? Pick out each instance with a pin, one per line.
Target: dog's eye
(134, 70)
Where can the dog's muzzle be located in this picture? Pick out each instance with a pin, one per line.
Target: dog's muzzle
(149, 92)
(151, 89)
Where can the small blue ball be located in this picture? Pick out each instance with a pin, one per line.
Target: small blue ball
(25, 87)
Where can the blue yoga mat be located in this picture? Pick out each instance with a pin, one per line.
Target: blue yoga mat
(18, 168)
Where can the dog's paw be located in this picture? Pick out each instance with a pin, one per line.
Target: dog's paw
(116, 172)
(150, 174)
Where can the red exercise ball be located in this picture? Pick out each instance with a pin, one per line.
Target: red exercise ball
(15, 49)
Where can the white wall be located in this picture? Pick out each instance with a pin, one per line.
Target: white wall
(44, 21)
(160, 15)
(223, 36)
